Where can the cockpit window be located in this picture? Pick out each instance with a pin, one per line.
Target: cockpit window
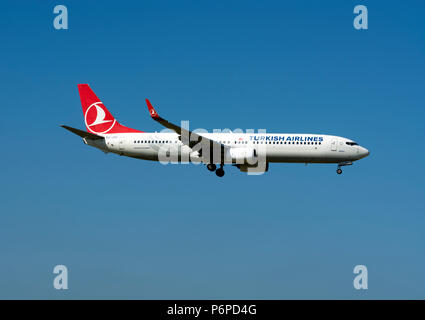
(352, 143)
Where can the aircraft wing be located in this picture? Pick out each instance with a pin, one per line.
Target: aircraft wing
(82, 134)
(188, 137)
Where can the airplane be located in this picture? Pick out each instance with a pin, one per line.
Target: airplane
(249, 152)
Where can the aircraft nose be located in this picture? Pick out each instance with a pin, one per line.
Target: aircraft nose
(364, 152)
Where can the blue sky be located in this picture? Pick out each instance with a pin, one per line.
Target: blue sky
(131, 229)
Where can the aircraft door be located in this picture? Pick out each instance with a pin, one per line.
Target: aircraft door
(121, 145)
(333, 145)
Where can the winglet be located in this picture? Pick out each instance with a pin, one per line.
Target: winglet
(152, 111)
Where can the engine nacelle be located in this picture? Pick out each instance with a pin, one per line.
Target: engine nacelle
(243, 155)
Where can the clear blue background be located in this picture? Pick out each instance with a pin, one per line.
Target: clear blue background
(133, 229)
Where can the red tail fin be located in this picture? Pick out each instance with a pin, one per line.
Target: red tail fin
(97, 118)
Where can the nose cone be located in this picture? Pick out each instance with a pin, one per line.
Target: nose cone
(363, 152)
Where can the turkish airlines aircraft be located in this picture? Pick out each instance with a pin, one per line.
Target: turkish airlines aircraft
(250, 152)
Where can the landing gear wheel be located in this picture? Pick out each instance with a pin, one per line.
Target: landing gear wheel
(211, 166)
(219, 172)
(339, 171)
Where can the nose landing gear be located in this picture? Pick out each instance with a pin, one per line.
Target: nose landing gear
(342, 164)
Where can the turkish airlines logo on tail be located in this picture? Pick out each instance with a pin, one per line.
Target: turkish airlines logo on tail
(97, 120)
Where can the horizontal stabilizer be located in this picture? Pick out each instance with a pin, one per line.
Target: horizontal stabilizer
(83, 134)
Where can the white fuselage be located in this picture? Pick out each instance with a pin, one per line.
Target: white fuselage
(296, 148)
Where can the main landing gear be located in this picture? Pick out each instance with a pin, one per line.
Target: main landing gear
(212, 167)
(220, 172)
(342, 164)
